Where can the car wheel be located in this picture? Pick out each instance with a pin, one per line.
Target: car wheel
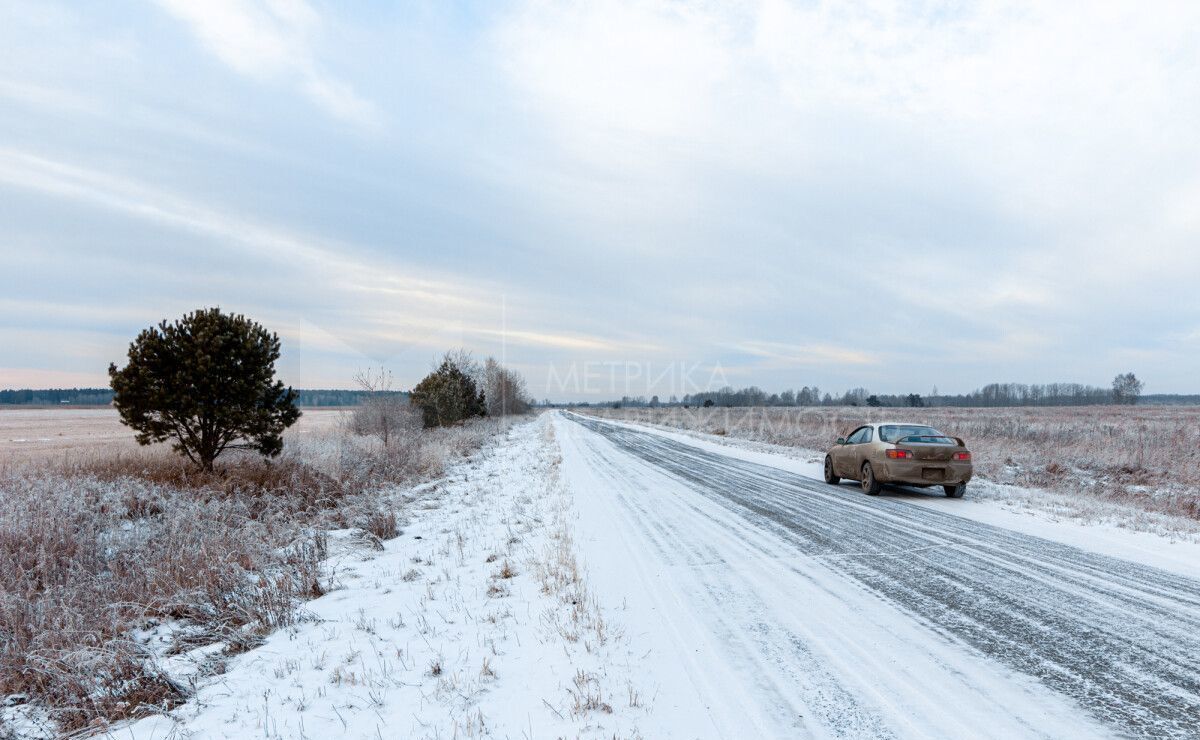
(830, 477)
(955, 491)
(869, 484)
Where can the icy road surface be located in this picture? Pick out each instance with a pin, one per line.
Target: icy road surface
(788, 608)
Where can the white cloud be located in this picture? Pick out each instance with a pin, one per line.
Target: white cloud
(634, 67)
(781, 355)
(1045, 82)
(155, 203)
(32, 94)
(373, 308)
(40, 377)
(988, 167)
(273, 40)
(370, 293)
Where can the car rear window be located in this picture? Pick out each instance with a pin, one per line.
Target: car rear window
(913, 433)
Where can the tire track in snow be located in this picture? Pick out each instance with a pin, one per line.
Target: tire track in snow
(1121, 640)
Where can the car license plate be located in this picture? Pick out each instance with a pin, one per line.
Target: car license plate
(933, 473)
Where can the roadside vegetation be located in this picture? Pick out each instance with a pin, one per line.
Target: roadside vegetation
(1147, 457)
(214, 541)
(94, 552)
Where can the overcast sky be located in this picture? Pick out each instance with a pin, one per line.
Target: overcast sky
(894, 195)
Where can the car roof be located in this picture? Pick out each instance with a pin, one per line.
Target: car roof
(901, 424)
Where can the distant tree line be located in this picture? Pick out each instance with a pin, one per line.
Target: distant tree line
(1126, 389)
(336, 397)
(1020, 394)
(57, 396)
(755, 396)
(1169, 399)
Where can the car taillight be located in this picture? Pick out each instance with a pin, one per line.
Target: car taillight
(962, 456)
(900, 454)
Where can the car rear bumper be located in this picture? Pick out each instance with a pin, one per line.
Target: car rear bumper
(921, 472)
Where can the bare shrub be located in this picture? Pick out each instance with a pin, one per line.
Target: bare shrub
(504, 389)
(384, 413)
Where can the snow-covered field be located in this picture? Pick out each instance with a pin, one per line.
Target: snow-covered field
(599, 579)
(31, 435)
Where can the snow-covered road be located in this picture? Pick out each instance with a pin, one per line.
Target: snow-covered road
(773, 605)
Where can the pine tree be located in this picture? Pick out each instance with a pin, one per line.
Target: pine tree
(207, 381)
(447, 396)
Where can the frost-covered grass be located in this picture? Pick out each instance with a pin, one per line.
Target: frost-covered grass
(98, 551)
(1144, 457)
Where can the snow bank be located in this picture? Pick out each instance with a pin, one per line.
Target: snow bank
(477, 620)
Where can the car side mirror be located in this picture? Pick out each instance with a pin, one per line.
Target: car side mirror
(841, 440)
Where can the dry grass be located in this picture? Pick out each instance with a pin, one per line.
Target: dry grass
(96, 546)
(83, 561)
(587, 696)
(1144, 456)
(577, 618)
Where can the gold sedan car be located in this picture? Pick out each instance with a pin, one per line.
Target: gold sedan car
(908, 454)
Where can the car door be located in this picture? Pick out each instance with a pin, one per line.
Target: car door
(846, 455)
(862, 448)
